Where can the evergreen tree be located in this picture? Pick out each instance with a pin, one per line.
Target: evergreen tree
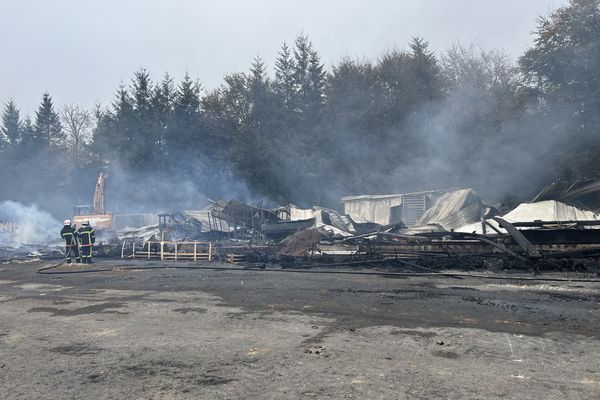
(11, 123)
(162, 100)
(28, 131)
(257, 147)
(352, 97)
(425, 72)
(352, 115)
(284, 77)
(309, 78)
(141, 90)
(407, 81)
(48, 129)
(261, 96)
(113, 137)
(145, 135)
(286, 134)
(315, 96)
(185, 118)
(187, 98)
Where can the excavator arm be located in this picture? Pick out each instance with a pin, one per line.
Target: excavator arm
(97, 215)
(99, 195)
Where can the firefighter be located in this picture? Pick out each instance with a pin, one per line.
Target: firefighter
(69, 233)
(87, 238)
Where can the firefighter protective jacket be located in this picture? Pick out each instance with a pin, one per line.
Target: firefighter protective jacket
(87, 235)
(69, 233)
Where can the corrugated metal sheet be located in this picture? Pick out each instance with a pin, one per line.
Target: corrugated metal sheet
(390, 208)
(208, 223)
(454, 210)
(548, 210)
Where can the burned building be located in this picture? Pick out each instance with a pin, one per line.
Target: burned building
(390, 209)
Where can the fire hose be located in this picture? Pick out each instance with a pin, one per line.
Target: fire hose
(47, 271)
(64, 260)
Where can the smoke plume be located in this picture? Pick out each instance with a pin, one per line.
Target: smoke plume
(32, 225)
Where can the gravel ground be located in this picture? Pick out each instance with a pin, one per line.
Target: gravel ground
(191, 334)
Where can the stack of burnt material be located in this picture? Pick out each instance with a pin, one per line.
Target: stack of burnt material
(220, 221)
(316, 231)
(329, 223)
(245, 221)
(455, 225)
(29, 252)
(456, 228)
(533, 234)
(233, 228)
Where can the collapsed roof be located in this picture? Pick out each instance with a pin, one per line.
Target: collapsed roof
(455, 209)
(543, 211)
(391, 208)
(329, 222)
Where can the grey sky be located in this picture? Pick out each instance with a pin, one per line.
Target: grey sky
(80, 50)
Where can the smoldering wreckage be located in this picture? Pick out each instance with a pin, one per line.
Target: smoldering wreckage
(420, 232)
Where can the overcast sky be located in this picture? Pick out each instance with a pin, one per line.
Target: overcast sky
(81, 50)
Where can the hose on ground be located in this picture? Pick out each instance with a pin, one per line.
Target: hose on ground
(48, 271)
(64, 260)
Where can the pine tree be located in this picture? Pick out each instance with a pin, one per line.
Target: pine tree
(27, 130)
(284, 77)
(187, 97)
(162, 100)
(141, 90)
(123, 126)
(260, 94)
(147, 130)
(257, 147)
(425, 72)
(163, 96)
(184, 122)
(309, 78)
(316, 82)
(11, 123)
(29, 141)
(113, 138)
(48, 129)
(122, 106)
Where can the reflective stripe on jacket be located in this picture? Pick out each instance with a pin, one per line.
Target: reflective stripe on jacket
(69, 234)
(87, 236)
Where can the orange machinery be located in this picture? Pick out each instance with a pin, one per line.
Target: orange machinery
(96, 214)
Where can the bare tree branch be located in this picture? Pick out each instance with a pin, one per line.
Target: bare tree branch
(77, 123)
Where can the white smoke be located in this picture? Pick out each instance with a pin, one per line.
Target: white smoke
(31, 225)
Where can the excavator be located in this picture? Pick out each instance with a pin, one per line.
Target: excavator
(98, 217)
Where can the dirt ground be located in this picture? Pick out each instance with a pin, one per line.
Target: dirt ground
(202, 334)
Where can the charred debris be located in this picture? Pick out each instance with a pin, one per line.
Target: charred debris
(423, 231)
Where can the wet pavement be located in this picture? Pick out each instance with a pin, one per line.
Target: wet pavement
(189, 334)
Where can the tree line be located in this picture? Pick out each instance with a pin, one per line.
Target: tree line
(409, 120)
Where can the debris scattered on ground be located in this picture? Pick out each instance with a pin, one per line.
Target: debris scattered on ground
(423, 231)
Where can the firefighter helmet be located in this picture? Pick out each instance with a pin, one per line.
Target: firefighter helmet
(67, 222)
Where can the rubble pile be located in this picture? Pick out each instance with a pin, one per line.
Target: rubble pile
(441, 227)
(300, 243)
(29, 252)
(453, 227)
